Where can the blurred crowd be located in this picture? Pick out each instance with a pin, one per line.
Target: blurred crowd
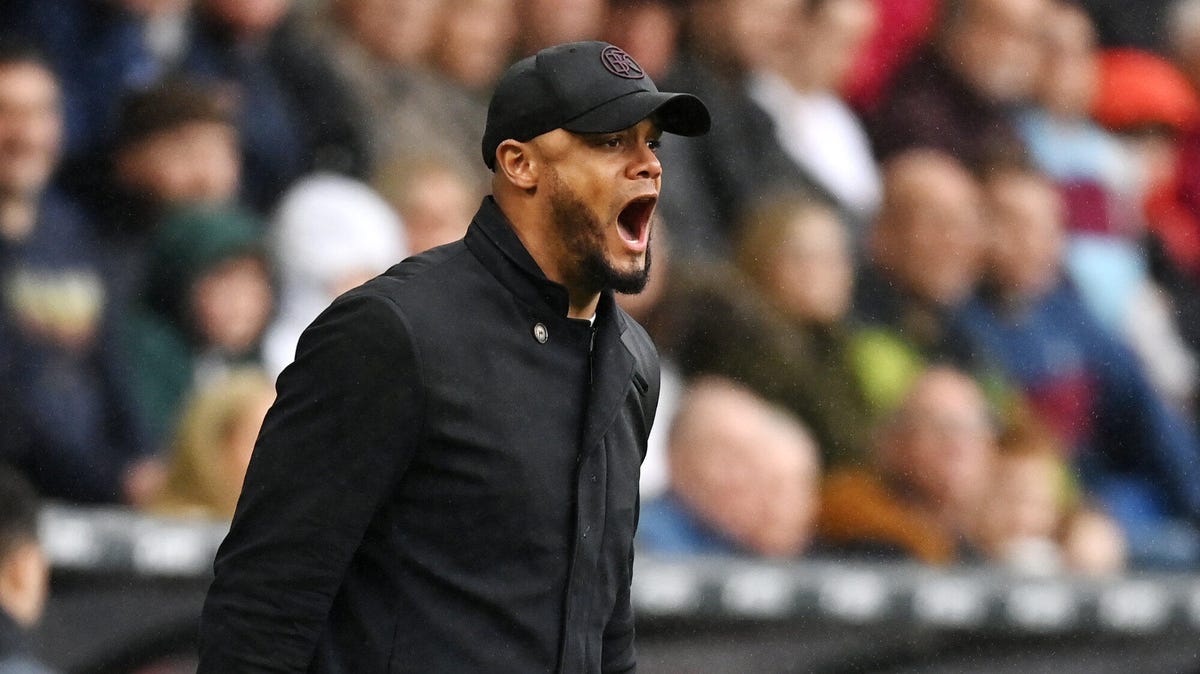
(927, 291)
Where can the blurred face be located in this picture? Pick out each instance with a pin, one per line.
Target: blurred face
(249, 17)
(1069, 75)
(198, 163)
(1025, 214)
(830, 40)
(994, 45)
(397, 31)
(550, 22)
(750, 473)
(232, 303)
(437, 208)
(648, 32)
(30, 129)
(1022, 502)
(601, 191)
(473, 33)
(813, 277)
(760, 30)
(931, 235)
(944, 443)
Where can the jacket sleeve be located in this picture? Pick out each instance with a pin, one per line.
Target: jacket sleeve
(344, 426)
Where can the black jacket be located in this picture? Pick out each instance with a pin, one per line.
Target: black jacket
(435, 488)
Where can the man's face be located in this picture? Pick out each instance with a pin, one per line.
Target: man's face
(935, 232)
(602, 189)
(30, 128)
(198, 162)
(1026, 216)
(995, 47)
(945, 442)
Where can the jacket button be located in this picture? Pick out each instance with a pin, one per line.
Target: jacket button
(540, 333)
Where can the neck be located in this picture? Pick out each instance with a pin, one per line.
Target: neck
(535, 228)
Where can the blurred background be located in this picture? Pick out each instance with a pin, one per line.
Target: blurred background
(926, 299)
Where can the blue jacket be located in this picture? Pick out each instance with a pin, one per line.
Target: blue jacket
(1070, 366)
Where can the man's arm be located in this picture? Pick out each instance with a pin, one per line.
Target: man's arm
(343, 428)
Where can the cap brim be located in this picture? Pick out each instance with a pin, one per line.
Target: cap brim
(680, 114)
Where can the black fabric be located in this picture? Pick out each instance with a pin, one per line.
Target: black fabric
(435, 489)
(585, 87)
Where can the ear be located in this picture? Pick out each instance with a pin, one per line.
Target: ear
(516, 162)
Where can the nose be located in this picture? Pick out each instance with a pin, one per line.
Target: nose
(645, 165)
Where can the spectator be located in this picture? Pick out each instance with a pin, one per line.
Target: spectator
(385, 50)
(208, 296)
(1032, 519)
(435, 198)
(1165, 138)
(104, 50)
(1138, 458)
(744, 478)
(471, 42)
(797, 254)
(1102, 190)
(63, 390)
(549, 22)
(715, 178)
(1097, 176)
(329, 235)
(648, 30)
(211, 446)
(921, 498)
(955, 95)
(799, 90)
(176, 146)
(24, 573)
(294, 114)
(925, 255)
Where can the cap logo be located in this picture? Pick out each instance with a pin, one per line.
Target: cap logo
(617, 62)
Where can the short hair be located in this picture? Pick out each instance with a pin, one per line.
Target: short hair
(18, 511)
(167, 106)
(17, 49)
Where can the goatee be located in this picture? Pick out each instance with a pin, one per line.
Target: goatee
(583, 237)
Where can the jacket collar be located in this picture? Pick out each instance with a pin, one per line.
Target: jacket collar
(492, 239)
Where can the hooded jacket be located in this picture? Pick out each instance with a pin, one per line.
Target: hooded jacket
(160, 340)
(447, 482)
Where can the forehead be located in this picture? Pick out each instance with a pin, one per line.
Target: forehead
(28, 77)
(648, 126)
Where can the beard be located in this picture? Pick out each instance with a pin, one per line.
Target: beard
(583, 238)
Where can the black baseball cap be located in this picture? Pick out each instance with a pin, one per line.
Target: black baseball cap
(584, 87)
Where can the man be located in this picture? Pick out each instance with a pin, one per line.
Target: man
(921, 497)
(744, 478)
(448, 480)
(64, 407)
(924, 258)
(24, 573)
(956, 94)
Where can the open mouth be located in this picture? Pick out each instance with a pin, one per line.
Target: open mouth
(634, 221)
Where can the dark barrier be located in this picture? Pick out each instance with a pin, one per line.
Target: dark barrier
(127, 591)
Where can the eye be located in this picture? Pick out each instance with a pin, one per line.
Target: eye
(614, 142)
(654, 144)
